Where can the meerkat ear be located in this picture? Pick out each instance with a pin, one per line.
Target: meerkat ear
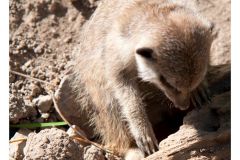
(145, 52)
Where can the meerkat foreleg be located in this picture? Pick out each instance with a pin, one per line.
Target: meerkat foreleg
(134, 112)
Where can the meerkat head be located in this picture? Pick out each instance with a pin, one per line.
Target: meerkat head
(173, 53)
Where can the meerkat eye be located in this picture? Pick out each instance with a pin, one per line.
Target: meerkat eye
(145, 52)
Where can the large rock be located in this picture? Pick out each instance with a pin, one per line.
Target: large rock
(52, 144)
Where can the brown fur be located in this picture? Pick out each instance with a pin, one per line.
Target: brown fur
(106, 70)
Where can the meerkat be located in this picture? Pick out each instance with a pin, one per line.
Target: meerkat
(126, 46)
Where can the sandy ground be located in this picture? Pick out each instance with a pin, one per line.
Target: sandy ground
(43, 34)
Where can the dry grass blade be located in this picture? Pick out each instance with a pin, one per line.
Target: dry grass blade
(17, 140)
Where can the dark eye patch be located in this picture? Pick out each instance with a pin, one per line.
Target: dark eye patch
(145, 52)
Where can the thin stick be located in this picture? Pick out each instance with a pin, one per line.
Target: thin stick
(27, 76)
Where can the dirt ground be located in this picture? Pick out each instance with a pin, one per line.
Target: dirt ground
(43, 34)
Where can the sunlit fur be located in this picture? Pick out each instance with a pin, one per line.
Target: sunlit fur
(107, 67)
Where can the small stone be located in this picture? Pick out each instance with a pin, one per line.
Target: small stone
(34, 72)
(43, 103)
(193, 153)
(49, 50)
(45, 115)
(35, 89)
(202, 150)
(53, 17)
(15, 52)
(38, 49)
(19, 84)
(28, 63)
(23, 68)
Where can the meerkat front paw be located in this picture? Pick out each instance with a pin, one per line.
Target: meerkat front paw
(201, 95)
(146, 140)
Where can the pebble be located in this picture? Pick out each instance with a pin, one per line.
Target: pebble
(34, 72)
(35, 89)
(45, 115)
(43, 103)
(19, 84)
(38, 49)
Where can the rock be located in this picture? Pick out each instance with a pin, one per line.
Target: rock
(34, 72)
(38, 49)
(35, 89)
(93, 153)
(19, 110)
(45, 115)
(18, 84)
(52, 144)
(26, 65)
(43, 103)
(16, 148)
